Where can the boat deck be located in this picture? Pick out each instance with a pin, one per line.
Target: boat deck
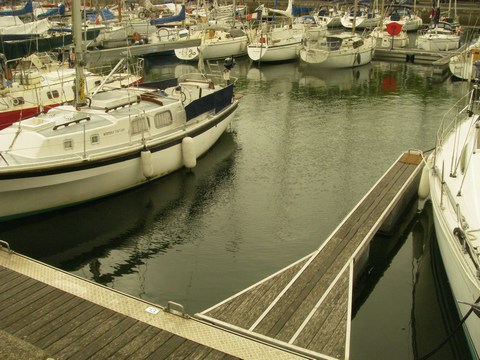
(307, 306)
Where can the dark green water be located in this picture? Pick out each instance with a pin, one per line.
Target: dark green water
(304, 148)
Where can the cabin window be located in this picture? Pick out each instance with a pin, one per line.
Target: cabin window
(139, 125)
(18, 101)
(68, 144)
(53, 94)
(94, 139)
(163, 119)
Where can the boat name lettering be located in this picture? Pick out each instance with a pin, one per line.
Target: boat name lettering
(112, 132)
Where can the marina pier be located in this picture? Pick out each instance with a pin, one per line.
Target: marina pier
(302, 311)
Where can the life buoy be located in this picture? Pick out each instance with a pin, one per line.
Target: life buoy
(136, 37)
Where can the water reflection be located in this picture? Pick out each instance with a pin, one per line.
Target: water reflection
(433, 308)
(129, 224)
(409, 299)
(335, 79)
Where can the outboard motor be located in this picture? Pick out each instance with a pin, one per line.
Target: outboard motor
(475, 99)
(228, 64)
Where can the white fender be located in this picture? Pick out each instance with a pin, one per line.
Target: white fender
(189, 155)
(424, 185)
(147, 167)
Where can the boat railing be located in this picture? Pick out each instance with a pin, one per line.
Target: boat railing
(132, 67)
(201, 77)
(453, 117)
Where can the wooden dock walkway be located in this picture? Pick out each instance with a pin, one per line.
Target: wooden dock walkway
(303, 311)
(439, 60)
(307, 307)
(46, 313)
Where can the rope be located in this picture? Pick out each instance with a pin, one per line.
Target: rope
(450, 335)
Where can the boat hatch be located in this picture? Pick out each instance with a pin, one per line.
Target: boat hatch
(36, 123)
(72, 121)
(111, 99)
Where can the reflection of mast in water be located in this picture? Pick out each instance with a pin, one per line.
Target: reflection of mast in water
(433, 314)
(156, 234)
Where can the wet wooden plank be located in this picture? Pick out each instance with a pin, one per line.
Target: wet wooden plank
(245, 309)
(34, 312)
(151, 346)
(74, 334)
(17, 308)
(132, 347)
(167, 348)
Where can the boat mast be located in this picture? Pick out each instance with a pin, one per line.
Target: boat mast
(78, 52)
(355, 7)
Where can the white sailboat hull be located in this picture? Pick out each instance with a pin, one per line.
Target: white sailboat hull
(453, 171)
(214, 50)
(462, 66)
(32, 194)
(464, 287)
(275, 53)
(339, 58)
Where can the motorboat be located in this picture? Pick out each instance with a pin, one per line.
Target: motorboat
(339, 51)
(439, 36)
(462, 66)
(276, 44)
(217, 42)
(450, 178)
(39, 82)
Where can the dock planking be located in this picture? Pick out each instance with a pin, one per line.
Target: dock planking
(47, 313)
(307, 306)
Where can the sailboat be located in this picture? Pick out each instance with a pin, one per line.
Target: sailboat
(339, 50)
(441, 35)
(403, 15)
(462, 66)
(450, 177)
(274, 44)
(363, 17)
(109, 141)
(282, 42)
(39, 82)
(390, 34)
(216, 42)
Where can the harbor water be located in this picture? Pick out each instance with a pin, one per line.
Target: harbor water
(305, 146)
